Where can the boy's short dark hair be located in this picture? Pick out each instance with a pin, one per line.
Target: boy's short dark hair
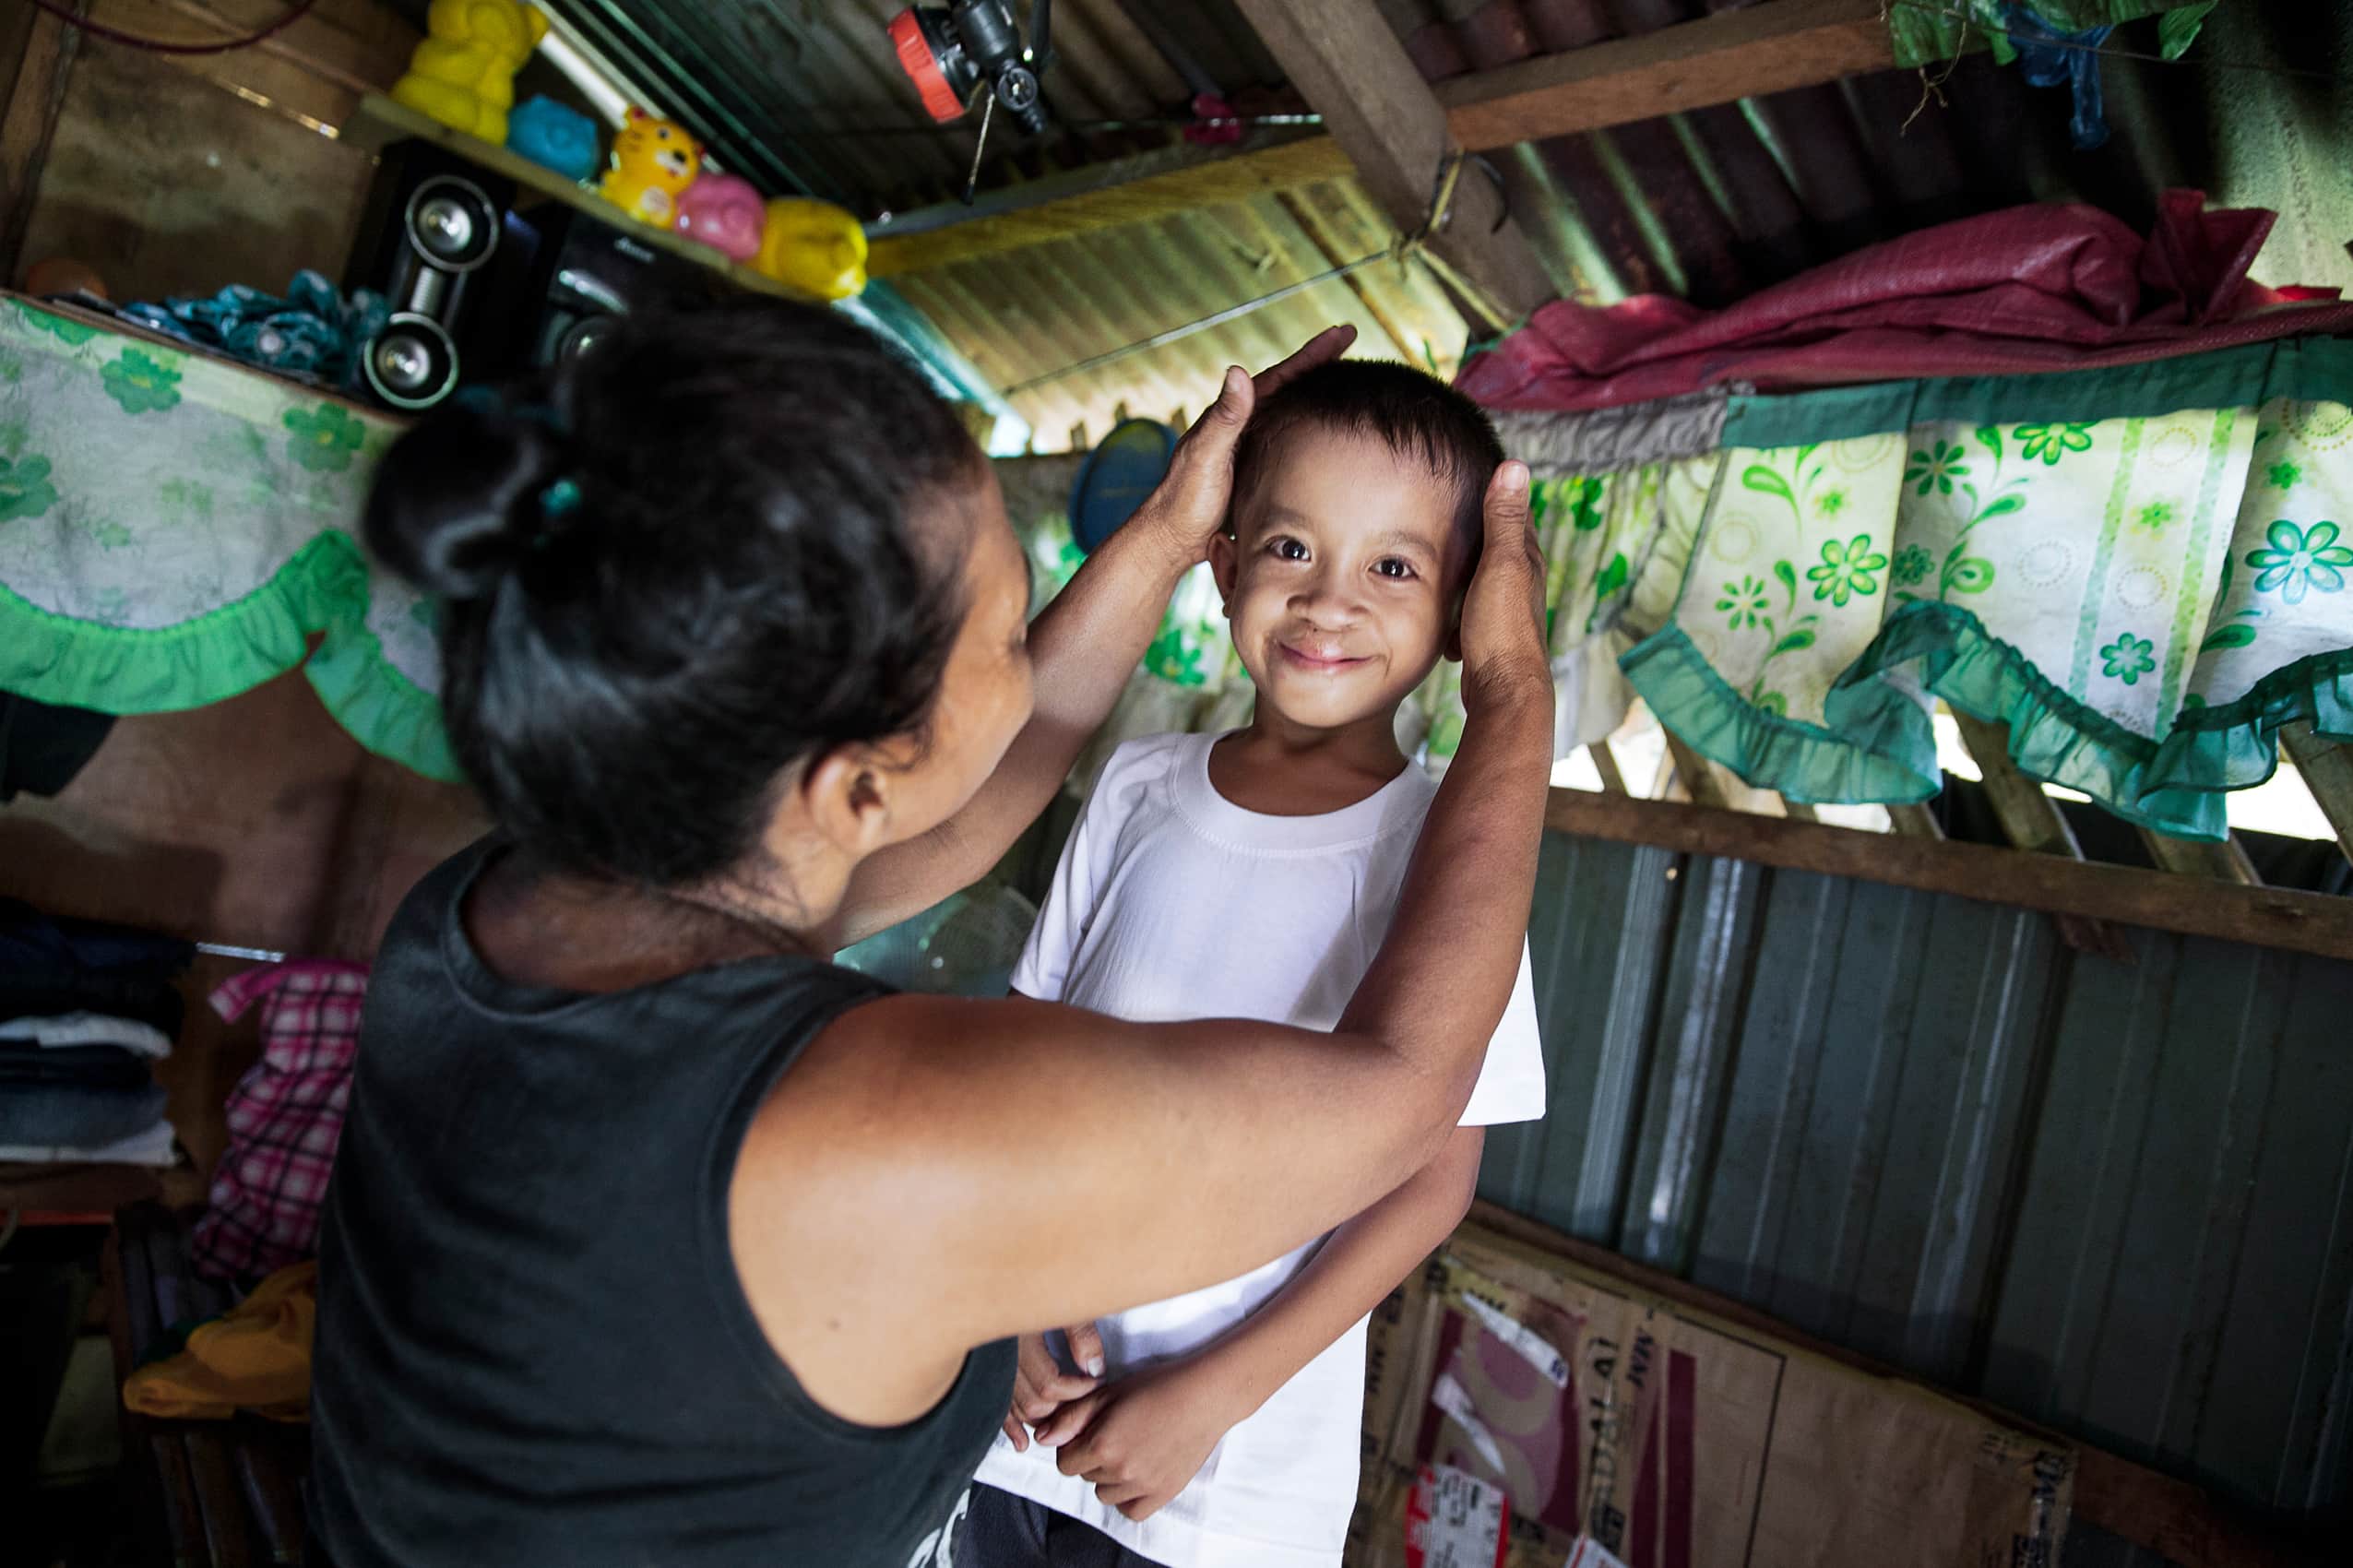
(1418, 416)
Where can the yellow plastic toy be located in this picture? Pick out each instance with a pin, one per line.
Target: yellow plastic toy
(463, 71)
(653, 161)
(813, 246)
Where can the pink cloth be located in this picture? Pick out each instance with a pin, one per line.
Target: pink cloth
(2025, 289)
(285, 1116)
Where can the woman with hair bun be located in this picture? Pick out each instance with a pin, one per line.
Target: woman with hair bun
(656, 1238)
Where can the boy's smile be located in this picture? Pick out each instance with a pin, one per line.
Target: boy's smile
(1338, 580)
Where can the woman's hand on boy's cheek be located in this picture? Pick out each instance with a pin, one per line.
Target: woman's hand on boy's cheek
(1143, 1439)
(1040, 1386)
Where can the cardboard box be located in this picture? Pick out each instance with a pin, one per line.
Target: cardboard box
(1676, 1440)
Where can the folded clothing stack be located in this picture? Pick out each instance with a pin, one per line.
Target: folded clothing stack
(86, 1011)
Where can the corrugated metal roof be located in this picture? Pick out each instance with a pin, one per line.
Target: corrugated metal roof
(2117, 1199)
(1711, 206)
(1032, 313)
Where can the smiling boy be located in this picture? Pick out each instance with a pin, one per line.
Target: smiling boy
(1252, 876)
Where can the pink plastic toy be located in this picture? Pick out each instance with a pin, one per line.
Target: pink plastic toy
(724, 212)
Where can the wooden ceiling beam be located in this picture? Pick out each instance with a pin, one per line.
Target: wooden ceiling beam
(1356, 74)
(1761, 49)
(2194, 906)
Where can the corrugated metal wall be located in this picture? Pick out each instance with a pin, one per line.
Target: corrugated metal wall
(2117, 1199)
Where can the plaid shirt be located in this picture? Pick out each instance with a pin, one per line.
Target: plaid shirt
(285, 1116)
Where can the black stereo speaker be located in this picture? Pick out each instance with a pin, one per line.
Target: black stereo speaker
(431, 232)
(561, 280)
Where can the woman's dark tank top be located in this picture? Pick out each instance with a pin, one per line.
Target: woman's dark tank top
(532, 1345)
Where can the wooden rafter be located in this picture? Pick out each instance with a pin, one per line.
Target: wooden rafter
(1761, 49)
(2032, 821)
(2327, 770)
(2225, 861)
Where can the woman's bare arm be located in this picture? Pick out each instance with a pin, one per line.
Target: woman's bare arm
(1082, 649)
(895, 1205)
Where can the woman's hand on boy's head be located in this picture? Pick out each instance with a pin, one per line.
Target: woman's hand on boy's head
(1502, 616)
(1189, 508)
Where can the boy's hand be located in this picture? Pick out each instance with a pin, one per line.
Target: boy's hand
(1142, 1440)
(1189, 508)
(1504, 608)
(1040, 1386)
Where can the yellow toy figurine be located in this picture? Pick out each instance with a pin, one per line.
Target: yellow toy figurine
(463, 71)
(813, 246)
(653, 162)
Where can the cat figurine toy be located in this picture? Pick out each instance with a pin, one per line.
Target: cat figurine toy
(653, 162)
(813, 246)
(462, 73)
(555, 137)
(724, 212)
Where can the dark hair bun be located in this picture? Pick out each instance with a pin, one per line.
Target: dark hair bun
(745, 573)
(456, 501)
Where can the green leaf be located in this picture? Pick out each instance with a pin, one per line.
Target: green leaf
(1773, 703)
(1613, 576)
(2002, 505)
(1788, 575)
(1800, 637)
(2228, 636)
(2177, 28)
(1972, 576)
(1990, 437)
(1765, 482)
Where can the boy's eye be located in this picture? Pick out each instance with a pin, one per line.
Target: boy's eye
(1288, 549)
(1392, 567)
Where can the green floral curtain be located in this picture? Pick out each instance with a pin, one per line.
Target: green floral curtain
(2144, 573)
(175, 529)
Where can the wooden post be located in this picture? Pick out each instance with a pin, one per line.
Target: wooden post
(1355, 72)
(36, 79)
(2032, 820)
(2327, 769)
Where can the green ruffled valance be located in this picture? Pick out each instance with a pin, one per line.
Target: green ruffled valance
(175, 529)
(2143, 572)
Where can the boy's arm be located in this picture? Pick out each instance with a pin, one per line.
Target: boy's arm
(1143, 1439)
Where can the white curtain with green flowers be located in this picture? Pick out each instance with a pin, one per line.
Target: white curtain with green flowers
(2143, 572)
(175, 529)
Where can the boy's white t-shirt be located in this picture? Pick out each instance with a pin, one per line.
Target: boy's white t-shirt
(1171, 903)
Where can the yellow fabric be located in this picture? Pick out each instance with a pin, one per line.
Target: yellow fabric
(256, 1357)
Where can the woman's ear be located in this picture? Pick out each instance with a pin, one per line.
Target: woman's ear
(846, 796)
